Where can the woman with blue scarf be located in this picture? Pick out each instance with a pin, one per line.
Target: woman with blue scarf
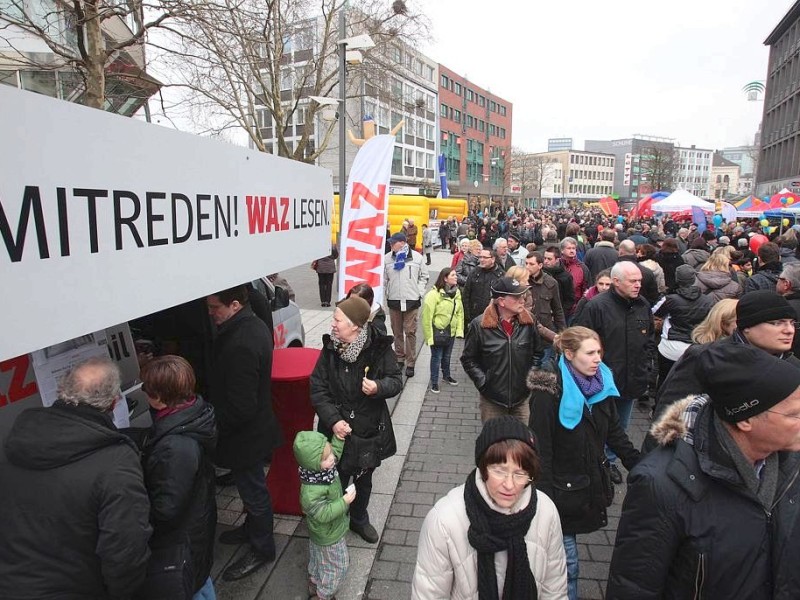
(573, 415)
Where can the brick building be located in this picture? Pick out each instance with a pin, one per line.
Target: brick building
(475, 137)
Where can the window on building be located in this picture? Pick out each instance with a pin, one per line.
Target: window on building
(429, 132)
(428, 161)
(458, 89)
(493, 106)
(408, 159)
(430, 72)
(456, 115)
(397, 161)
(396, 54)
(443, 110)
(503, 110)
(445, 81)
(410, 128)
(481, 126)
(481, 101)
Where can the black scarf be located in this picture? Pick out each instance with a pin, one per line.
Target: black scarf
(491, 532)
(325, 477)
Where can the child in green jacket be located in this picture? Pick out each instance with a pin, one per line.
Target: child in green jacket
(326, 511)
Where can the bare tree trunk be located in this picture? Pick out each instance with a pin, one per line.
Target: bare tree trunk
(95, 56)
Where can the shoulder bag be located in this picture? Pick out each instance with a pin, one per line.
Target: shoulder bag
(442, 337)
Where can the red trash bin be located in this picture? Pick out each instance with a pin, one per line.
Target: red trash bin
(291, 401)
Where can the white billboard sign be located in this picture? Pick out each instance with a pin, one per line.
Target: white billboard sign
(104, 218)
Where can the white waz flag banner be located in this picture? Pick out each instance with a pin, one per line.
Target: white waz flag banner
(364, 217)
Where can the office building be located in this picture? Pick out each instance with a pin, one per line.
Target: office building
(724, 181)
(556, 144)
(693, 172)
(779, 157)
(575, 176)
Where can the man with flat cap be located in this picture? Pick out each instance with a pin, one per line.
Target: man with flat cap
(501, 346)
(713, 511)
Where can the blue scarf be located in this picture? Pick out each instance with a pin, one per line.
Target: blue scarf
(570, 411)
(400, 258)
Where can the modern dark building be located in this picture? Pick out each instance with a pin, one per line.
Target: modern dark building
(556, 144)
(779, 158)
(634, 159)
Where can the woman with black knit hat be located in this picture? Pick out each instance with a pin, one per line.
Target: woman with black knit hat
(495, 537)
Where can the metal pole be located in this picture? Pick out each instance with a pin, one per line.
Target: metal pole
(342, 117)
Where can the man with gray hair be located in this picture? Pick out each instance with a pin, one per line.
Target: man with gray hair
(683, 240)
(788, 286)
(504, 259)
(622, 319)
(75, 518)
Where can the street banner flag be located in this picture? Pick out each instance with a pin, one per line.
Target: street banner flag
(444, 192)
(699, 217)
(364, 217)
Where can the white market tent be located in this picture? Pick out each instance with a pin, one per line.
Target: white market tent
(681, 200)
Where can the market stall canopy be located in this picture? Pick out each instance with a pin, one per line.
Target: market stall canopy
(682, 200)
(643, 209)
(752, 206)
(609, 206)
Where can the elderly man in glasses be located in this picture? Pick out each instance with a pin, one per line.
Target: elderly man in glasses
(714, 509)
(788, 286)
(764, 319)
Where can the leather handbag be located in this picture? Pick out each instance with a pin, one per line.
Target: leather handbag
(170, 575)
(366, 451)
(442, 337)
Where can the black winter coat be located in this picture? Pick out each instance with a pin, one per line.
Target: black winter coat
(686, 308)
(179, 475)
(566, 288)
(626, 330)
(465, 267)
(690, 528)
(336, 386)
(765, 279)
(477, 292)
(572, 460)
(498, 364)
(669, 262)
(74, 523)
(241, 392)
(602, 256)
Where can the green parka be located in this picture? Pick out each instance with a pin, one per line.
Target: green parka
(323, 505)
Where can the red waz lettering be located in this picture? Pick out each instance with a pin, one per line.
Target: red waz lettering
(17, 389)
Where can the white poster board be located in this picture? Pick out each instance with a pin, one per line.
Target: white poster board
(104, 218)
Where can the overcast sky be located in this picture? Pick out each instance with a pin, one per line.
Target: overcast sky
(588, 69)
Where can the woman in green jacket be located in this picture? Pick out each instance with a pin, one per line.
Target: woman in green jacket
(442, 309)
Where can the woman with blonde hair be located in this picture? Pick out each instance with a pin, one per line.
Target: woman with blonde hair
(469, 263)
(574, 415)
(714, 278)
(521, 274)
(720, 322)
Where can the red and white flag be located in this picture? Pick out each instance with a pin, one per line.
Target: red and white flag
(366, 208)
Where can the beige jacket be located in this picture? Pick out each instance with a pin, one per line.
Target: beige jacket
(447, 566)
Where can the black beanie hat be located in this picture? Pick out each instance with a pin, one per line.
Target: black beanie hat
(503, 428)
(743, 381)
(761, 306)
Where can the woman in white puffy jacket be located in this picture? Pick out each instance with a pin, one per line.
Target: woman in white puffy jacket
(495, 537)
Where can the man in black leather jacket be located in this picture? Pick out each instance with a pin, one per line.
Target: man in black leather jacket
(499, 350)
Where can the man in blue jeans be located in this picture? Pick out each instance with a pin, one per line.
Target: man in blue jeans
(622, 319)
(240, 390)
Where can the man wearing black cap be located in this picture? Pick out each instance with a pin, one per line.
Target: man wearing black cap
(763, 319)
(500, 348)
(714, 510)
(405, 279)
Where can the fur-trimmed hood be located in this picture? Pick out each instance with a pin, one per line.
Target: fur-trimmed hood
(671, 425)
(543, 380)
(491, 319)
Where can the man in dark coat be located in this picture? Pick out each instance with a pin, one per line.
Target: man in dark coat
(788, 286)
(622, 319)
(603, 255)
(556, 270)
(713, 511)
(627, 252)
(477, 292)
(75, 517)
(769, 268)
(241, 394)
(500, 348)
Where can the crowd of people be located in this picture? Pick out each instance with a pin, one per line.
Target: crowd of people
(569, 319)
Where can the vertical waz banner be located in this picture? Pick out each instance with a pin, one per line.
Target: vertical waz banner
(364, 217)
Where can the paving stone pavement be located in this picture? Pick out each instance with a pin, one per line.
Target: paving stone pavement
(439, 458)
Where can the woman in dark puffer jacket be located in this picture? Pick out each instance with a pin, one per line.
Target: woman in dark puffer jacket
(178, 471)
